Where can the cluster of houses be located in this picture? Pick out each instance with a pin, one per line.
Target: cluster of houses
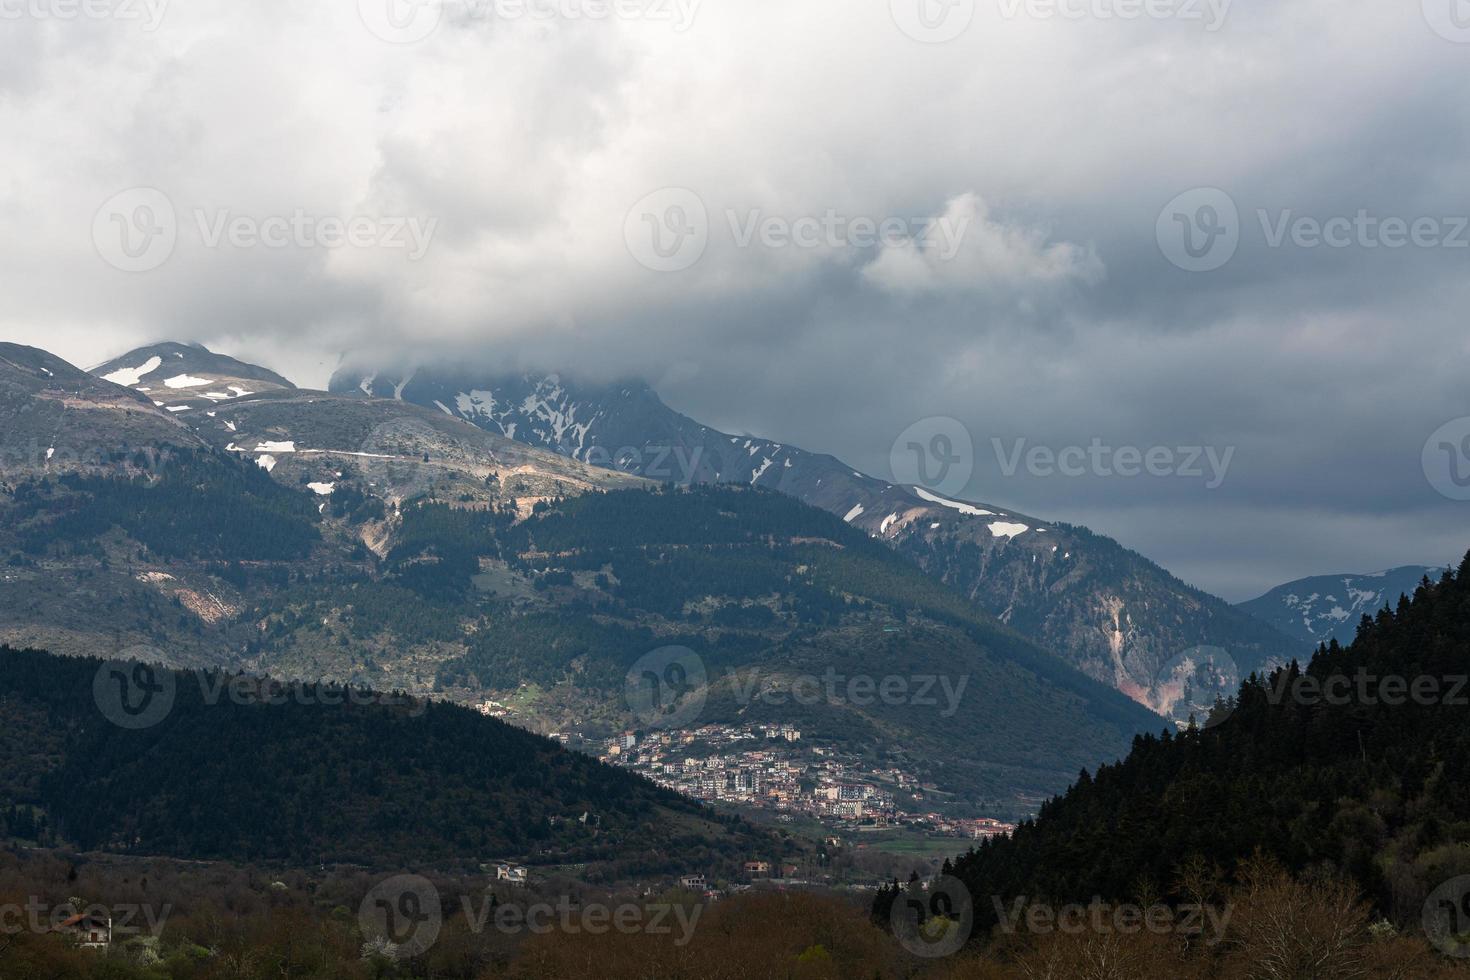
(493, 709)
(511, 874)
(769, 766)
(752, 871)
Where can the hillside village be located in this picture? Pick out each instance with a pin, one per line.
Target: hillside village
(769, 766)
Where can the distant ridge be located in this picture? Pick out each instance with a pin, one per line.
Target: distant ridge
(1322, 608)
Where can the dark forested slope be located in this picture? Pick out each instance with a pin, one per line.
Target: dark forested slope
(228, 767)
(1357, 764)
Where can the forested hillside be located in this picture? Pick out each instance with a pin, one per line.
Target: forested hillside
(239, 768)
(1357, 764)
(763, 588)
(195, 505)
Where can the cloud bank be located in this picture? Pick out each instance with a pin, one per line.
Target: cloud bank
(804, 168)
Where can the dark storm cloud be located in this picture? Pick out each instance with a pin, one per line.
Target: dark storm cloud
(1053, 144)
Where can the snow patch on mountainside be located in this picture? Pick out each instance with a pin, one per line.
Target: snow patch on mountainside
(132, 376)
(1327, 607)
(968, 509)
(186, 381)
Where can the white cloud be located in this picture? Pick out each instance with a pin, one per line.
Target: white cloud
(965, 248)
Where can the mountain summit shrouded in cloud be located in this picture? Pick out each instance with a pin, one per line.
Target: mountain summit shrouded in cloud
(1108, 611)
(287, 207)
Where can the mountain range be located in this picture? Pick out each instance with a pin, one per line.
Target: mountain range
(1323, 608)
(338, 537)
(528, 543)
(1106, 610)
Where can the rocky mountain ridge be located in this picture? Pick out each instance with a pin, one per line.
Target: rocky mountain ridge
(1109, 611)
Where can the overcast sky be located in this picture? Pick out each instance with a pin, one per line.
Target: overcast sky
(511, 172)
